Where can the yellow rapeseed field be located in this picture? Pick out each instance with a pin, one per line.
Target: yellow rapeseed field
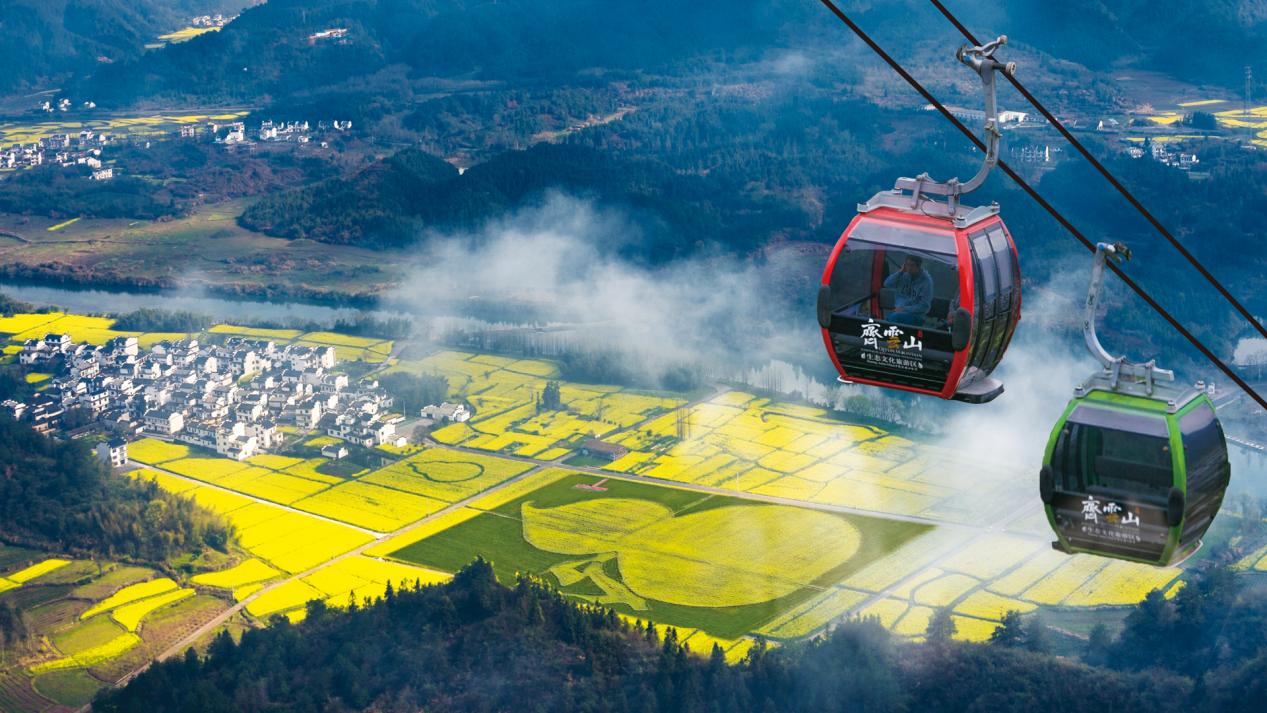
(1121, 583)
(367, 576)
(1068, 578)
(702, 643)
(92, 656)
(209, 470)
(992, 556)
(283, 597)
(130, 615)
(308, 469)
(246, 590)
(914, 622)
(40, 569)
(335, 339)
(370, 506)
(246, 572)
(431, 527)
(276, 462)
(906, 561)
(446, 475)
(129, 594)
(19, 323)
(1025, 576)
(293, 542)
(888, 611)
(63, 224)
(812, 615)
(986, 605)
(154, 451)
(970, 629)
(284, 336)
(289, 541)
(270, 485)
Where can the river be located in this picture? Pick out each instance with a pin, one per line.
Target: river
(96, 301)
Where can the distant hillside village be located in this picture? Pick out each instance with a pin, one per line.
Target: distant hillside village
(63, 150)
(85, 148)
(231, 398)
(300, 132)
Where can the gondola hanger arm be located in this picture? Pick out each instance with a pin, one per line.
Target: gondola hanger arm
(1116, 368)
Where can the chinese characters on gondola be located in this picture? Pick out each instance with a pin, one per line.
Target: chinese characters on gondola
(1110, 520)
(892, 346)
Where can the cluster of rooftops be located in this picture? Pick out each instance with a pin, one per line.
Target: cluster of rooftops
(230, 397)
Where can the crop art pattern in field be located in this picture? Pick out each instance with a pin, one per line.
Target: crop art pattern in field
(446, 475)
(674, 556)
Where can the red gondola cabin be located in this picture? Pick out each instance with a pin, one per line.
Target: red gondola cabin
(921, 303)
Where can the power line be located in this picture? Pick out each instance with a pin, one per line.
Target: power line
(1088, 244)
(1130, 197)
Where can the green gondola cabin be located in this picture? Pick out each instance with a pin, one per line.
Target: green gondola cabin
(1135, 477)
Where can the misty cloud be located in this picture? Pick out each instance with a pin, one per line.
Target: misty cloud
(559, 257)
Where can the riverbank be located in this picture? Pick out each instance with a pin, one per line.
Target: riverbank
(206, 251)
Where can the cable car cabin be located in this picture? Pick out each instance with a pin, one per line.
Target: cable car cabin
(1135, 477)
(921, 303)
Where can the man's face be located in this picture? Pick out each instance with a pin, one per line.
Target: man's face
(910, 267)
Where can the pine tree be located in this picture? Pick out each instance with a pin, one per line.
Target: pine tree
(1011, 632)
(941, 627)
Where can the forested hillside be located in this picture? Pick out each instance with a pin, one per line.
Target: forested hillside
(55, 495)
(474, 645)
(48, 40)
(390, 44)
(392, 203)
(268, 50)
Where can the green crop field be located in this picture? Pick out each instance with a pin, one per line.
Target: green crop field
(678, 557)
(70, 688)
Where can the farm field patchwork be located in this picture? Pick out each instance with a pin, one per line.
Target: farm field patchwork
(749, 444)
(99, 330)
(734, 440)
(284, 539)
(12, 132)
(504, 391)
(97, 621)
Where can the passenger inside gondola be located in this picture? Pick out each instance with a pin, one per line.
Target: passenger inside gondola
(914, 292)
(910, 287)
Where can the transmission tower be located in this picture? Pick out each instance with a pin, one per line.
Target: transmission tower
(683, 424)
(1249, 89)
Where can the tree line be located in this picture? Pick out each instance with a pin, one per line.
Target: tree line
(56, 495)
(476, 645)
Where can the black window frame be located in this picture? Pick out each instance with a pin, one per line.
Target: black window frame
(1077, 469)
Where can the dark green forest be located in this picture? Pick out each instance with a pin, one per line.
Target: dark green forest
(410, 392)
(56, 495)
(476, 645)
(49, 40)
(394, 45)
